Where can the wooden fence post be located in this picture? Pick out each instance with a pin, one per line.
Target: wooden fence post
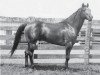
(87, 43)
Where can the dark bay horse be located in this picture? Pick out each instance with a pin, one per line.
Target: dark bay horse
(63, 33)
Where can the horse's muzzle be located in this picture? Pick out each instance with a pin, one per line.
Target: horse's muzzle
(90, 18)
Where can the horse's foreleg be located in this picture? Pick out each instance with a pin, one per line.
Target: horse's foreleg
(67, 56)
(68, 49)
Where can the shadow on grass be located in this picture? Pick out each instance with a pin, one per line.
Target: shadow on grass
(55, 67)
(48, 67)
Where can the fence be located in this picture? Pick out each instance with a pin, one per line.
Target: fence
(86, 50)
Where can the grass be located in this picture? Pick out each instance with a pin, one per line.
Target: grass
(74, 69)
(42, 69)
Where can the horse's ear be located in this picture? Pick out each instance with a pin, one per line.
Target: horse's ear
(82, 4)
(87, 5)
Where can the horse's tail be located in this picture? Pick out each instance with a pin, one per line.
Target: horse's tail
(17, 37)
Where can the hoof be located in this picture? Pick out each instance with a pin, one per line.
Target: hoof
(26, 66)
(66, 68)
(32, 66)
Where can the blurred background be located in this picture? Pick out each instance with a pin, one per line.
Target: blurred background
(46, 8)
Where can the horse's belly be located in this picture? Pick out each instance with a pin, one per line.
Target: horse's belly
(57, 40)
(61, 43)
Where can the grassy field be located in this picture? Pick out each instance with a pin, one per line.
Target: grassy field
(47, 69)
(74, 69)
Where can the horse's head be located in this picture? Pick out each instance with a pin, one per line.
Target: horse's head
(86, 12)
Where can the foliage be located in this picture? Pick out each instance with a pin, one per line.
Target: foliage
(29, 19)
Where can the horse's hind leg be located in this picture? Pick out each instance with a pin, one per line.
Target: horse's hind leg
(26, 58)
(32, 47)
(28, 52)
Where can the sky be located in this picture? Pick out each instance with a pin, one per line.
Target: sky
(46, 8)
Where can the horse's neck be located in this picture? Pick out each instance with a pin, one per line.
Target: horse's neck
(75, 21)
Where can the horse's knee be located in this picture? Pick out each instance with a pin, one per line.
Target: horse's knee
(67, 58)
(67, 55)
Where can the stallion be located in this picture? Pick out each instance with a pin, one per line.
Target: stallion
(63, 33)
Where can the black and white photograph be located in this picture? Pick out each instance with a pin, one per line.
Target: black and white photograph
(49, 37)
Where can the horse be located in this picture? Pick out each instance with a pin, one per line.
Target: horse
(63, 33)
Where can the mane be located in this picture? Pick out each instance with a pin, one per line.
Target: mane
(75, 20)
(72, 16)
